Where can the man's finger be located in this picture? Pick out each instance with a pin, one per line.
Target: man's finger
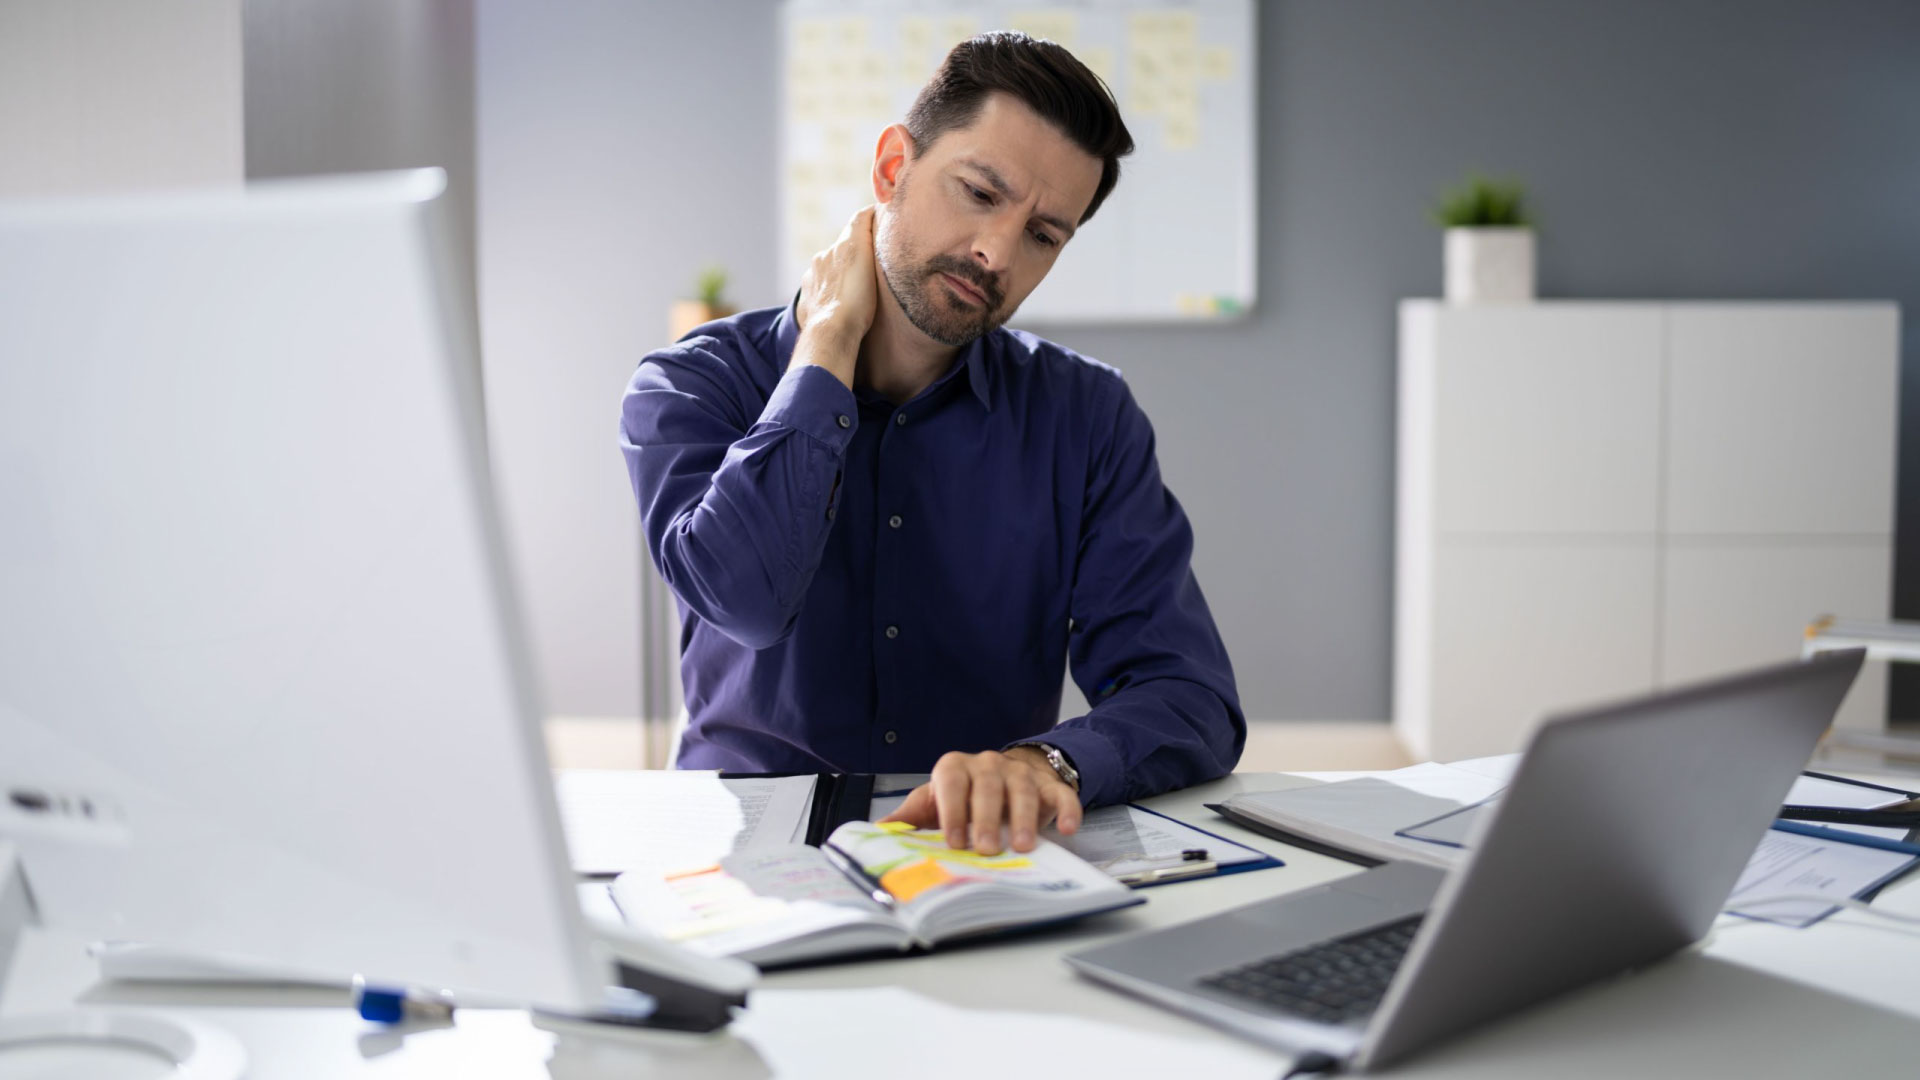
(987, 803)
(1067, 804)
(950, 784)
(919, 809)
(1023, 809)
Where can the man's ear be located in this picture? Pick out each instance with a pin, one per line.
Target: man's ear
(890, 158)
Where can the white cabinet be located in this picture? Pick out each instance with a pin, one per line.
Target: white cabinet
(1597, 499)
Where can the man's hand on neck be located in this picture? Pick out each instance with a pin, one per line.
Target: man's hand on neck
(852, 326)
(837, 301)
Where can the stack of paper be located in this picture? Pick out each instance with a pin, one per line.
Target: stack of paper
(664, 821)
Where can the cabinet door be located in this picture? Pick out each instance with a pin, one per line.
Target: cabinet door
(1546, 419)
(1782, 419)
(1729, 606)
(1520, 630)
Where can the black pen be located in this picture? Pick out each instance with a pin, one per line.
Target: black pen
(849, 865)
(1903, 815)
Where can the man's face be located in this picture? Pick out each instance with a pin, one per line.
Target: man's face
(976, 220)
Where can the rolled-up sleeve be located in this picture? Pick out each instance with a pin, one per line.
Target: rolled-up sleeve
(1144, 649)
(736, 487)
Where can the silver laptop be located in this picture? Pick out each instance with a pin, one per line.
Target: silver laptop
(1618, 841)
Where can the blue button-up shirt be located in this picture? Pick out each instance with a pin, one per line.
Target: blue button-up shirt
(863, 587)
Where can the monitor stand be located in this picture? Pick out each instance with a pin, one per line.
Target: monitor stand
(196, 1051)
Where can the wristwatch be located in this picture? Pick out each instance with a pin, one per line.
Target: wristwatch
(1062, 764)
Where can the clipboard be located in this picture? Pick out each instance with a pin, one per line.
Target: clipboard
(1266, 861)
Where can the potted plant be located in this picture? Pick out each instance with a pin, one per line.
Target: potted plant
(709, 303)
(1489, 242)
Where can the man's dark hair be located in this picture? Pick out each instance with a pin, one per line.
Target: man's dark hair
(1042, 75)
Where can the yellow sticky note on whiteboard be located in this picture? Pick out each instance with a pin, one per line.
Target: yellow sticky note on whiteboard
(1216, 63)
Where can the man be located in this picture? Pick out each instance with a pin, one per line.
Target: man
(889, 522)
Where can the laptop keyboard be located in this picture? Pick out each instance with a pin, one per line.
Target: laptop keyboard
(1332, 982)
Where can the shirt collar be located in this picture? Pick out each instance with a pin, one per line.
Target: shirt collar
(975, 358)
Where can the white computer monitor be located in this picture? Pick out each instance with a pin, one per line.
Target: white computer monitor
(264, 691)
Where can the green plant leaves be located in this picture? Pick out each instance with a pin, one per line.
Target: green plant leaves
(1483, 202)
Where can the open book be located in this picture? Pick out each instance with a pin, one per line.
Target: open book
(870, 888)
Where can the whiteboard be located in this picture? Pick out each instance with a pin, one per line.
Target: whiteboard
(1175, 240)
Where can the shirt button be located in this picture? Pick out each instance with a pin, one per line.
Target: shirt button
(900, 418)
(892, 738)
(894, 521)
(893, 631)
(844, 422)
(829, 513)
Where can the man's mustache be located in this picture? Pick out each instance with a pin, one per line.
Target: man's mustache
(971, 274)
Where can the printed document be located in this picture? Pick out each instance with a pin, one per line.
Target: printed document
(663, 821)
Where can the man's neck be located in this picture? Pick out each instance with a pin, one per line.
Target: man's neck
(896, 360)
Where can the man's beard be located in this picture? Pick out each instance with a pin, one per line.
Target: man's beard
(927, 302)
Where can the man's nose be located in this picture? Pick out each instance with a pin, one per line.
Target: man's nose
(994, 246)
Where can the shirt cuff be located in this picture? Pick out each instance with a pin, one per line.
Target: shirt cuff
(1102, 780)
(809, 398)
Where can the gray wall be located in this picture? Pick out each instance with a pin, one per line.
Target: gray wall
(338, 86)
(622, 147)
(101, 95)
(1674, 148)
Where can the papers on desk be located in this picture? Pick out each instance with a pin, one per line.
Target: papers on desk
(664, 821)
(1130, 843)
(1788, 863)
(1432, 813)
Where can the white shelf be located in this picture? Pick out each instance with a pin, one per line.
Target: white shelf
(1600, 498)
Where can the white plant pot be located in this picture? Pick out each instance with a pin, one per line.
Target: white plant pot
(1489, 265)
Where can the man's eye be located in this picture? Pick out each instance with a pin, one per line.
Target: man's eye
(1044, 239)
(978, 194)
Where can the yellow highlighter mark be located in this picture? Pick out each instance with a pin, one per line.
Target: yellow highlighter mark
(895, 826)
(909, 881)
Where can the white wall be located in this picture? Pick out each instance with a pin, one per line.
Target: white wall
(621, 147)
(114, 94)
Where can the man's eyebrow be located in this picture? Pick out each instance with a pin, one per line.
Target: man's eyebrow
(998, 183)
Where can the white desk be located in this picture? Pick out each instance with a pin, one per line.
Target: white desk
(1756, 1001)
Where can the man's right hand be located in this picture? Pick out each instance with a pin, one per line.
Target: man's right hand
(837, 300)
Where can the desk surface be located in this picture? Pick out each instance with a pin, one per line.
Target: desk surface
(1756, 1001)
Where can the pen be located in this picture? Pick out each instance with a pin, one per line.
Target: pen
(1175, 872)
(847, 864)
(389, 1005)
(1843, 836)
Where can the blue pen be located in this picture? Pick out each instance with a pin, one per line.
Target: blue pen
(1844, 836)
(391, 1005)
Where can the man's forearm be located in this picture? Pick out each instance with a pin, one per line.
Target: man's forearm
(1153, 736)
(737, 520)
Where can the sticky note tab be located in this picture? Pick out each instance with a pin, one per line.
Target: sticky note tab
(1217, 63)
(909, 881)
(895, 826)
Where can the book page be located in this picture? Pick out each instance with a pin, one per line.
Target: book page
(662, 821)
(942, 891)
(755, 905)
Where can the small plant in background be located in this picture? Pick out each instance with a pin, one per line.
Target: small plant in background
(1483, 203)
(710, 288)
(709, 303)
